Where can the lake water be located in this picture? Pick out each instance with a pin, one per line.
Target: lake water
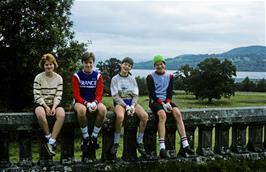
(240, 75)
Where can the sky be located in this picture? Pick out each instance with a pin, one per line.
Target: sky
(142, 29)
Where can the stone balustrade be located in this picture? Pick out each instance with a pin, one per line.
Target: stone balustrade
(228, 126)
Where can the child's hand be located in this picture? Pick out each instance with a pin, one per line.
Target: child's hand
(167, 107)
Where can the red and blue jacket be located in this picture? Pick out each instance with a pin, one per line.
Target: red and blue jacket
(87, 87)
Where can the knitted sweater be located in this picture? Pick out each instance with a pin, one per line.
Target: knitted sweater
(124, 88)
(48, 90)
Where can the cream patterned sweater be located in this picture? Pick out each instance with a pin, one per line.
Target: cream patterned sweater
(48, 90)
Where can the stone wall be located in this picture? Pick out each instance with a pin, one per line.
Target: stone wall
(220, 120)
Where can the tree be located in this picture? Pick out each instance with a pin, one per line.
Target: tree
(210, 79)
(142, 84)
(215, 79)
(247, 85)
(183, 78)
(261, 85)
(29, 29)
(109, 69)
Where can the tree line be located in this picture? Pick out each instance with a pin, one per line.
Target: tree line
(29, 29)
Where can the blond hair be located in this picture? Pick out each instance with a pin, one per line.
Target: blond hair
(49, 57)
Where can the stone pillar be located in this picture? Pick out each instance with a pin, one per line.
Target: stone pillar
(264, 143)
(255, 137)
(90, 155)
(25, 151)
(67, 144)
(205, 140)
(150, 135)
(45, 158)
(222, 139)
(108, 129)
(4, 149)
(170, 137)
(190, 131)
(239, 138)
(131, 124)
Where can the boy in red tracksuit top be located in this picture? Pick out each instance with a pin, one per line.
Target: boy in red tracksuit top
(87, 85)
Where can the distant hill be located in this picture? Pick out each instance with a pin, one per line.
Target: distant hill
(251, 58)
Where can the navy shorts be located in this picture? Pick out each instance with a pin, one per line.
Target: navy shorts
(127, 101)
(155, 107)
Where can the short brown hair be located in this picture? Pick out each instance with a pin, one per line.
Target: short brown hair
(49, 57)
(128, 60)
(86, 56)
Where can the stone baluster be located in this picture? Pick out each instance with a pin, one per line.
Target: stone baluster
(131, 124)
(25, 153)
(239, 138)
(222, 139)
(67, 144)
(205, 140)
(150, 136)
(108, 129)
(4, 149)
(255, 135)
(170, 137)
(190, 131)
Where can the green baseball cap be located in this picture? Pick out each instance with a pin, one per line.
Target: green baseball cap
(158, 58)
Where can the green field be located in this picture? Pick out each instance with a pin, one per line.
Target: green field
(183, 100)
(188, 101)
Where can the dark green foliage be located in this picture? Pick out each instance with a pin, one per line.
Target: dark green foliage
(142, 84)
(249, 85)
(211, 79)
(109, 69)
(261, 85)
(29, 29)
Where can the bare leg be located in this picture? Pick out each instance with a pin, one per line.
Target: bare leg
(101, 115)
(143, 116)
(60, 117)
(81, 114)
(42, 120)
(120, 114)
(161, 125)
(179, 122)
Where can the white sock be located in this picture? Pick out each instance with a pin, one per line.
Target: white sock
(48, 136)
(184, 142)
(95, 131)
(116, 137)
(140, 138)
(51, 141)
(162, 143)
(84, 132)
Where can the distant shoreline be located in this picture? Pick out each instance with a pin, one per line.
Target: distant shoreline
(240, 74)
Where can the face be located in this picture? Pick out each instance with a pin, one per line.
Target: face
(125, 67)
(88, 66)
(48, 66)
(159, 67)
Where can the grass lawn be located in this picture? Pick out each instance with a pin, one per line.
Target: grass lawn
(188, 101)
(183, 100)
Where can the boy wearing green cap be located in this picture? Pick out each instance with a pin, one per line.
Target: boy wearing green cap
(160, 86)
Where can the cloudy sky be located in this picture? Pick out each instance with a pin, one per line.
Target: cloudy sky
(142, 29)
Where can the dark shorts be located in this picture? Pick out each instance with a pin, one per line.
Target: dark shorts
(37, 105)
(127, 101)
(155, 107)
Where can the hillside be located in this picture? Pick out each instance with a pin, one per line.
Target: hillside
(251, 58)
